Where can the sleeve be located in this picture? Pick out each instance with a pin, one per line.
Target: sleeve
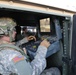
(1, 69)
(53, 48)
(39, 62)
(24, 40)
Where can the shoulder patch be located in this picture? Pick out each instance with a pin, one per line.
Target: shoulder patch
(18, 58)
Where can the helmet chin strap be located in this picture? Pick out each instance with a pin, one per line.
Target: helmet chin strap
(10, 33)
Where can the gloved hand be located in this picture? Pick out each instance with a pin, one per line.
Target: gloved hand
(31, 38)
(45, 43)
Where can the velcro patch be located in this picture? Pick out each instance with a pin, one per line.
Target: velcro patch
(17, 59)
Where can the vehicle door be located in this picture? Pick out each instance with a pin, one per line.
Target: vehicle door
(73, 48)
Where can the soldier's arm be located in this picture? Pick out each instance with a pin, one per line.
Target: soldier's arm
(25, 40)
(39, 62)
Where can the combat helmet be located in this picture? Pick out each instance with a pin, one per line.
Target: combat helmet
(7, 26)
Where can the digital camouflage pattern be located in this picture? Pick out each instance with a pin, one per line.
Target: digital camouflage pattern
(6, 24)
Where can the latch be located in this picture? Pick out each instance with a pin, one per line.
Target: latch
(67, 60)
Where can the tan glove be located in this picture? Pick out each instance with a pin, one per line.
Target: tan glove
(31, 38)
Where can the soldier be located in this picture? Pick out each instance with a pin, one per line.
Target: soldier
(13, 61)
(24, 33)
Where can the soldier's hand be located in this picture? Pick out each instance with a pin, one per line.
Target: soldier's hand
(45, 43)
(31, 38)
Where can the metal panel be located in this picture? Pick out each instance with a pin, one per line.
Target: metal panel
(65, 48)
(74, 46)
(8, 6)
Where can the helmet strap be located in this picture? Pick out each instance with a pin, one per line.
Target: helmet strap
(10, 34)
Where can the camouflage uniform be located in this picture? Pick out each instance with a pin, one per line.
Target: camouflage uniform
(7, 62)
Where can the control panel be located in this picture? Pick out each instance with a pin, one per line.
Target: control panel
(32, 46)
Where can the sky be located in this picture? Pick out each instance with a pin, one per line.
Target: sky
(64, 4)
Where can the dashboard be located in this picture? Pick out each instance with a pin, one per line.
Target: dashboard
(32, 46)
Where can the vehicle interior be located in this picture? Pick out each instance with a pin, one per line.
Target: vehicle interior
(42, 26)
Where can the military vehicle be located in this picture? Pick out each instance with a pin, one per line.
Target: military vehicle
(44, 23)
